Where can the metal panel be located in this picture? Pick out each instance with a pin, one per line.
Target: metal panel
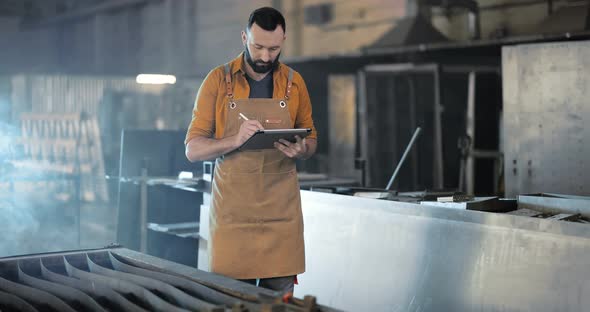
(375, 255)
(94, 289)
(14, 302)
(147, 297)
(546, 89)
(35, 296)
(342, 119)
(194, 288)
(556, 203)
(171, 293)
(126, 272)
(66, 293)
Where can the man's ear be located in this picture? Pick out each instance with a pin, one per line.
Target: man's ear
(244, 37)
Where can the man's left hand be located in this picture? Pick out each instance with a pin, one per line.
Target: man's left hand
(292, 150)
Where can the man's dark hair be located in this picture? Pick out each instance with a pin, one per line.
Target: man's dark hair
(267, 18)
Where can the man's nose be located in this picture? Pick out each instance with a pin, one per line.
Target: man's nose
(265, 57)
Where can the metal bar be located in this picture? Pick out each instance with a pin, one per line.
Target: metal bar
(470, 130)
(465, 69)
(401, 162)
(391, 113)
(143, 210)
(363, 127)
(413, 124)
(173, 294)
(438, 153)
(148, 298)
(97, 290)
(555, 204)
(69, 294)
(400, 68)
(194, 288)
(13, 302)
(485, 154)
(35, 296)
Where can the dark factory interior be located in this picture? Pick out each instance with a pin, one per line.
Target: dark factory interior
(302, 155)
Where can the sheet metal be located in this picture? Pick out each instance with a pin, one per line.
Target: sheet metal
(76, 298)
(14, 302)
(70, 270)
(173, 294)
(151, 301)
(96, 290)
(193, 288)
(377, 255)
(234, 288)
(35, 296)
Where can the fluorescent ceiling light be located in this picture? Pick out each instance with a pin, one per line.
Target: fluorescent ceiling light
(155, 79)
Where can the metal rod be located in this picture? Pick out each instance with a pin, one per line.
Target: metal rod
(413, 124)
(438, 153)
(143, 219)
(470, 129)
(363, 124)
(399, 165)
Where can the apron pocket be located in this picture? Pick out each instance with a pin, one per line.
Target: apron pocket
(257, 198)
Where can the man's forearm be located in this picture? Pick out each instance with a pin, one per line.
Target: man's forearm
(202, 148)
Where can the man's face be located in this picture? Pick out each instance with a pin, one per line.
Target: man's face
(263, 47)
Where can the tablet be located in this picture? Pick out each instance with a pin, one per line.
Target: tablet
(265, 139)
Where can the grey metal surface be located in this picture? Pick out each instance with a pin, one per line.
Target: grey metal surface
(170, 292)
(194, 288)
(66, 293)
(14, 302)
(546, 88)
(438, 171)
(94, 289)
(342, 120)
(34, 296)
(71, 269)
(556, 203)
(374, 255)
(147, 298)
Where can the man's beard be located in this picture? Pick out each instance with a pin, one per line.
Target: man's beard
(260, 66)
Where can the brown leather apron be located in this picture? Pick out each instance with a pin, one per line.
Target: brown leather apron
(256, 226)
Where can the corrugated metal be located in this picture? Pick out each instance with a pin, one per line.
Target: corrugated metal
(71, 94)
(92, 280)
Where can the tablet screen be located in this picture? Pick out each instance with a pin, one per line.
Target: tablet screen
(265, 139)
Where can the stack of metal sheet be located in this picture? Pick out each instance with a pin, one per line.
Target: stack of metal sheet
(118, 279)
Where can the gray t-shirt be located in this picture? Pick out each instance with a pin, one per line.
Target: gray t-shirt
(261, 89)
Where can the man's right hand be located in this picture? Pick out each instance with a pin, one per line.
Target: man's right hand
(247, 130)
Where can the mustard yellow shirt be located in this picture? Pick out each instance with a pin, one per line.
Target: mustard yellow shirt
(211, 103)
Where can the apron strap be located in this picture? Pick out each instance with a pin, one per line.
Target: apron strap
(289, 83)
(228, 88)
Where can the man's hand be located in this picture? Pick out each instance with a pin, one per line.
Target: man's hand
(292, 150)
(247, 130)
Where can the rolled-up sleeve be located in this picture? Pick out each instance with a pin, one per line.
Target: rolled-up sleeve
(304, 111)
(203, 119)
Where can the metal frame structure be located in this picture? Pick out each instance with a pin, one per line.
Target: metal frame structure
(436, 71)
